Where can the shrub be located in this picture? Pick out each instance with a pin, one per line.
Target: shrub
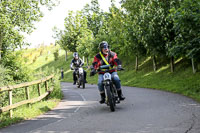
(15, 67)
(56, 55)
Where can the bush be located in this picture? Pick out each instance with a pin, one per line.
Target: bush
(4, 78)
(46, 72)
(56, 55)
(16, 68)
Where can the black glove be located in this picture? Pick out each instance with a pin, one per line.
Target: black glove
(119, 67)
(92, 73)
(72, 68)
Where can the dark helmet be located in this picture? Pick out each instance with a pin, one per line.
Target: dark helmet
(103, 44)
(75, 54)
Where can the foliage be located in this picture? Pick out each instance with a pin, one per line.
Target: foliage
(56, 55)
(93, 15)
(186, 25)
(4, 76)
(71, 33)
(17, 16)
(16, 68)
(25, 112)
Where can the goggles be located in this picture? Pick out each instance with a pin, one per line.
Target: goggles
(105, 47)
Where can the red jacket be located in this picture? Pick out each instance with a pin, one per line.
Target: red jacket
(111, 58)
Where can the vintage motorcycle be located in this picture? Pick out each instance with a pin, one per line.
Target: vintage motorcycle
(80, 77)
(110, 90)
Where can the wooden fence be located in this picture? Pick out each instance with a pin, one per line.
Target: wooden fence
(26, 87)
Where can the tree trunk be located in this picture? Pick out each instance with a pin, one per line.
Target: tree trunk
(136, 63)
(65, 55)
(172, 64)
(87, 61)
(83, 59)
(194, 65)
(154, 63)
(1, 41)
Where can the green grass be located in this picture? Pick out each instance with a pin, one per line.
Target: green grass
(40, 69)
(25, 112)
(182, 81)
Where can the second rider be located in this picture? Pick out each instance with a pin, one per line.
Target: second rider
(75, 64)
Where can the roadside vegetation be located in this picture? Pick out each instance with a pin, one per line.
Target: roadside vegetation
(182, 81)
(28, 64)
(158, 43)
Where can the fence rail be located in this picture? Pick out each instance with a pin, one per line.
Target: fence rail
(26, 85)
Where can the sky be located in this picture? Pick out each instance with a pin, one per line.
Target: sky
(43, 32)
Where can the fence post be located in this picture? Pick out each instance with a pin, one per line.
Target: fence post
(27, 94)
(52, 82)
(39, 91)
(46, 85)
(10, 102)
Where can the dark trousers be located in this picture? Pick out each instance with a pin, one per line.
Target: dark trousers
(75, 78)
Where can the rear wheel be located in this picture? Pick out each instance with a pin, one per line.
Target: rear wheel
(110, 98)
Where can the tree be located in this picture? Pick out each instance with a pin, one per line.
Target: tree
(186, 25)
(85, 40)
(134, 33)
(18, 16)
(69, 37)
(94, 16)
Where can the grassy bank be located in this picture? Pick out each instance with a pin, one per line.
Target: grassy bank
(181, 81)
(36, 59)
(41, 60)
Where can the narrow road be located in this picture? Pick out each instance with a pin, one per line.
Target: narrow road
(143, 111)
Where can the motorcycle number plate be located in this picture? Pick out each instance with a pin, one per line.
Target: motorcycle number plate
(80, 70)
(107, 76)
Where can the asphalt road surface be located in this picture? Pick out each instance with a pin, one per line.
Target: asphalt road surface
(143, 111)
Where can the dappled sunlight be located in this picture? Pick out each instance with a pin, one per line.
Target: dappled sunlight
(177, 61)
(145, 61)
(163, 68)
(73, 131)
(75, 104)
(148, 74)
(68, 107)
(67, 71)
(129, 81)
(80, 103)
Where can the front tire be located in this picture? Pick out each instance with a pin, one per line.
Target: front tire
(79, 82)
(110, 98)
(83, 81)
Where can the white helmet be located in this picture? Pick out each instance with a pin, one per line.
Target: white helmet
(75, 54)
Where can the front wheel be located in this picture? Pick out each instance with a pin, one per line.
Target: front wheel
(110, 97)
(78, 82)
(83, 81)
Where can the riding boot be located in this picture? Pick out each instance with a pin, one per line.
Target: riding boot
(120, 95)
(102, 98)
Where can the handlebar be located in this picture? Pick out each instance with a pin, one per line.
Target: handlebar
(76, 68)
(107, 67)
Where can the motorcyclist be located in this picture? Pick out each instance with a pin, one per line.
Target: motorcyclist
(75, 64)
(105, 57)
